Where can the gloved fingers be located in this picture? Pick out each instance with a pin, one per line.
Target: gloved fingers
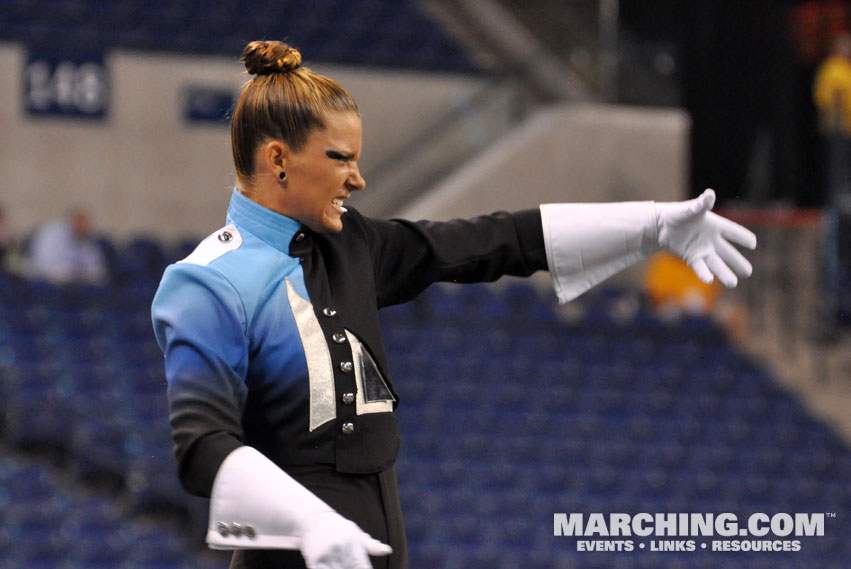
(705, 201)
(675, 213)
(375, 547)
(732, 231)
(702, 271)
(310, 564)
(735, 260)
(333, 542)
(326, 562)
(700, 204)
(359, 560)
(721, 270)
(342, 558)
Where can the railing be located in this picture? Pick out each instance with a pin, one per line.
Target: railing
(789, 321)
(791, 318)
(468, 126)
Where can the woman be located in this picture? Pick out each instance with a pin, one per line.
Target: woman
(280, 401)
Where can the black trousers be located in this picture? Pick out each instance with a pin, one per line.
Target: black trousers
(369, 500)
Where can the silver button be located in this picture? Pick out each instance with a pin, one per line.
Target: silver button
(348, 428)
(236, 529)
(249, 532)
(346, 367)
(225, 236)
(338, 338)
(224, 530)
(299, 237)
(329, 312)
(348, 398)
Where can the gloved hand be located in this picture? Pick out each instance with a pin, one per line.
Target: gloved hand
(256, 505)
(702, 239)
(330, 541)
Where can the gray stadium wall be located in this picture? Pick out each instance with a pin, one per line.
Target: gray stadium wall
(146, 169)
(571, 153)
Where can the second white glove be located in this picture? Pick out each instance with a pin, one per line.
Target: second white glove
(330, 541)
(256, 505)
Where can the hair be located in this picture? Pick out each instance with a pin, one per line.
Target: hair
(283, 100)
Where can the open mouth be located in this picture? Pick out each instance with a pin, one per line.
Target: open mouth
(338, 202)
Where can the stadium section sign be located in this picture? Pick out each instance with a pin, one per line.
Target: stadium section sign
(210, 105)
(66, 85)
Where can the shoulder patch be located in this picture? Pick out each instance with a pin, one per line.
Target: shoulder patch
(214, 246)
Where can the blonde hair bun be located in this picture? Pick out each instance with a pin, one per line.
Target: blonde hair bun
(268, 57)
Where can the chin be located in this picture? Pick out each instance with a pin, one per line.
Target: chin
(330, 226)
(332, 223)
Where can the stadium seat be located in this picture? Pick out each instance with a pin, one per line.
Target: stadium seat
(380, 34)
(507, 415)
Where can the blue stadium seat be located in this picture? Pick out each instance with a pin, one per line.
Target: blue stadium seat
(377, 34)
(151, 474)
(504, 421)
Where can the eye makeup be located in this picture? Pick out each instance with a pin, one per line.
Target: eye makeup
(335, 155)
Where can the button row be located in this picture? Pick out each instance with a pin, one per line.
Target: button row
(237, 530)
(345, 367)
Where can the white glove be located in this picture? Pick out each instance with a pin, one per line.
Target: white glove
(702, 239)
(330, 541)
(256, 505)
(588, 243)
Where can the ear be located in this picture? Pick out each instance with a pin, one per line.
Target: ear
(274, 155)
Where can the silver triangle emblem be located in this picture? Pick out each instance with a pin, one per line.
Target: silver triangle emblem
(374, 396)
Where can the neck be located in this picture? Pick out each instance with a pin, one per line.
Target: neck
(261, 191)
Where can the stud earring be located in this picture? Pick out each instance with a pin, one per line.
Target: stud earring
(282, 175)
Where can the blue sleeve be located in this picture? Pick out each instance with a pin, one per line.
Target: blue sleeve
(199, 322)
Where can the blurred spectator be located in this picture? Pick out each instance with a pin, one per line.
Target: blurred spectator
(832, 94)
(675, 291)
(65, 251)
(8, 242)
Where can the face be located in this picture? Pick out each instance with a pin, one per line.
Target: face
(80, 223)
(322, 174)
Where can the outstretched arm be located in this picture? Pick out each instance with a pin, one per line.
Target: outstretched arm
(588, 243)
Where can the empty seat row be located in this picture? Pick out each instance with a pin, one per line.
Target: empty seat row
(374, 33)
(504, 420)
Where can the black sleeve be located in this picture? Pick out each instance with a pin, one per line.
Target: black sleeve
(409, 256)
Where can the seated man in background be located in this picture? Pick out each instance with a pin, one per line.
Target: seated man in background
(64, 251)
(8, 242)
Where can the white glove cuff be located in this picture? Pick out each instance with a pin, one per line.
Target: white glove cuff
(588, 243)
(256, 505)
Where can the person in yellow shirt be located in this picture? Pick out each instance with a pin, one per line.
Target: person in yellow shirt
(832, 95)
(832, 88)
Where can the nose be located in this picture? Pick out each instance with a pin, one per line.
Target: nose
(355, 181)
